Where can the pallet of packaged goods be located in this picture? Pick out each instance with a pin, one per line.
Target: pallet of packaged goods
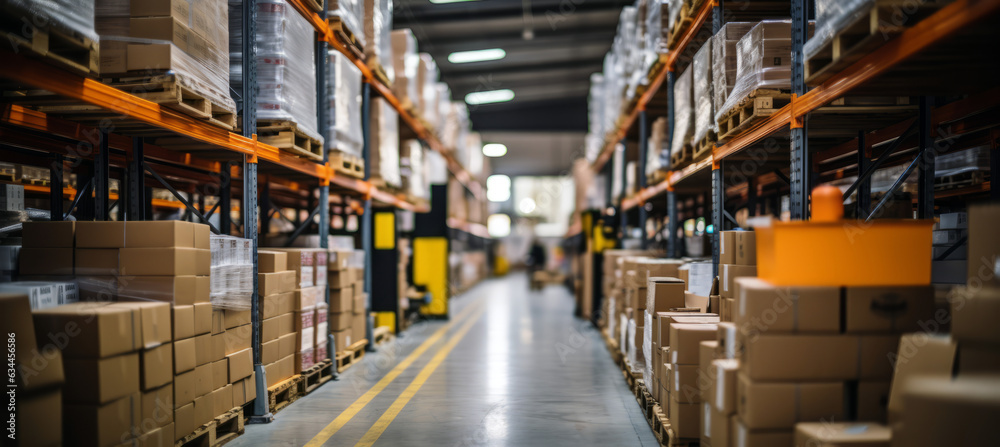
(221, 430)
(58, 31)
(347, 36)
(382, 335)
(185, 97)
(288, 136)
(756, 106)
(846, 31)
(683, 13)
(347, 139)
(283, 393)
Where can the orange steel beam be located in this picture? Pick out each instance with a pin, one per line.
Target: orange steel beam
(70, 193)
(670, 59)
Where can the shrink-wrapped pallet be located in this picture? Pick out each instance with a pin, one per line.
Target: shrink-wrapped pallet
(724, 60)
(704, 118)
(76, 16)
(427, 77)
(344, 97)
(657, 29)
(232, 270)
(384, 161)
(378, 27)
(405, 64)
(413, 167)
(763, 61)
(658, 152)
(683, 112)
(350, 13)
(833, 16)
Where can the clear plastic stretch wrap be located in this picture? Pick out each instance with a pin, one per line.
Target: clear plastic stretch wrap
(833, 16)
(427, 77)
(190, 44)
(704, 118)
(595, 104)
(455, 123)
(630, 345)
(622, 332)
(443, 107)
(656, 147)
(683, 112)
(612, 320)
(344, 95)
(350, 13)
(674, 12)
(647, 350)
(413, 168)
(378, 27)
(657, 29)
(286, 72)
(475, 162)
(69, 15)
(232, 272)
(593, 144)
(724, 61)
(385, 142)
(763, 61)
(405, 64)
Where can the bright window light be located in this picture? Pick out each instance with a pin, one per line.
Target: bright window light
(489, 97)
(498, 225)
(527, 205)
(494, 150)
(498, 188)
(465, 57)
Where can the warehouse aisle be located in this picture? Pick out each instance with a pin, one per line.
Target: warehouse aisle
(510, 368)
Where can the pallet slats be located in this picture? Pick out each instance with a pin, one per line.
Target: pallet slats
(348, 164)
(66, 48)
(351, 355)
(287, 136)
(755, 107)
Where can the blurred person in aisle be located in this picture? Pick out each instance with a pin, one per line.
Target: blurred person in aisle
(536, 263)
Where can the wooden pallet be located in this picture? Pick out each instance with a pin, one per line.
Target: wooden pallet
(287, 136)
(379, 72)
(347, 36)
(65, 48)
(961, 180)
(870, 29)
(351, 355)
(313, 377)
(381, 335)
(703, 146)
(228, 426)
(684, 21)
(203, 436)
(348, 164)
(681, 158)
(168, 91)
(756, 106)
(283, 394)
(660, 425)
(316, 6)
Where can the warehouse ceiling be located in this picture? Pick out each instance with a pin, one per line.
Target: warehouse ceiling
(552, 47)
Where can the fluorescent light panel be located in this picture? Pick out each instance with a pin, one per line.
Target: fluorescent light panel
(489, 97)
(494, 150)
(465, 57)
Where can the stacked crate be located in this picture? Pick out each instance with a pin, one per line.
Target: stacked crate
(737, 258)
(359, 319)
(301, 262)
(341, 309)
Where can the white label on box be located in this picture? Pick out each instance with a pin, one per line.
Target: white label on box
(307, 276)
(707, 417)
(720, 387)
(673, 356)
(722, 244)
(725, 277)
(741, 436)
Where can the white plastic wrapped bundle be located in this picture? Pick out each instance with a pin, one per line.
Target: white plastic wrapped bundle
(350, 13)
(188, 45)
(724, 61)
(344, 96)
(593, 144)
(683, 112)
(595, 104)
(286, 72)
(68, 15)
(414, 168)
(763, 61)
(647, 349)
(475, 162)
(378, 27)
(455, 122)
(385, 142)
(443, 107)
(622, 333)
(357, 260)
(611, 318)
(833, 16)
(657, 28)
(630, 347)
(656, 147)
(405, 64)
(427, 77)
(704, 118)
(232, 270)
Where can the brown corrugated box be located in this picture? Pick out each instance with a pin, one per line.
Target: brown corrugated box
(727, 278)
(663, 294)
(40, 365)
(99, 381)
(665, 319)
(204, 406)
(778, 405)
(183, 317)
(273, 328)
(359, 327)
(220, 373)
(706, 354)
(235, 318)
(358, 307)
(279, 371)
(222, 400)
(799, 357)
(48, 234)
(723, 391)
(158, 234)
(887, 309)
(746, 437)
(872, 401)
(156, 366)
(102, 425)
(157, 407)
(179, 290)
(946, 412)
(271, 261)
(721, 429)
(244, 390)
(100, 234)
(169, 261)
(764, 307)
(238, 338)
(161, 28)
(342, 300)
(151, 322)
(342, 339)
(37, 414)
(974, 314)
(838, 434)
(160, 437)
(306, 298)
(219, 321)
(685, 419)
(746, 248)
(727, 247)
(685, 386)
(726, 340)
(46, 261)
(339, 321)
(202, 318)
(277, 349)
(184, 420)
(100, 330)
(274, 305)
(97, 261)
(204, 349)
(685, 340)
(240, 364)
(337, 260)
(984, 245)
(919, 355)
(275, 283)
(203, 384)
(185, 355)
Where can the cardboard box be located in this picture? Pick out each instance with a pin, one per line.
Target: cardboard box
(218, 321)
(685, 340)
(340, 321)
(158, 234)
(727, 277)
(185, 355)
(46, 261)
(48, 234)
(97, 261)
(91, 330)
(240, 364)
(160, 437)
(218, 346)
(692, 301)
(984, 244)
(37, 414)
(920, 355)
(178, 9)
(238, 338)
(877, 352)
(203, 383)
(665, 319)
(151, 322)
(161, 28)
(274, 305)
(301, 261)
(280, 370)
(341, 300)
(342, 339)
(664, 294)
(887, 309)
(38, 365)
(222, 400)
(178, 290)
(340, 279)
(203, 284)
(156, 367)
(685, 419)
(706, 355)
(726, 340)
(746, 248)
(779, 405)
(721, 429)
(100, 234)
(99, 381)
(183, 318)
(276, 283)
(974, 314)
(306, 298)
(234, 318)
(941, 411)
(157, 407)
(839, 434)
(202, 234)
(279, 348)
(202, 318)
(101, 424)
(745, 437)
(204, 406)
(184, 420)
(764, 307)
(685, 384)
(273, 328)
(160, 262)
(337, 260)
(271, 261)
(360, 304)
(780, 357)
(872, 401)
(244, 390)
(204, 349)
(220, 373)
(724, 391)
(727, 247)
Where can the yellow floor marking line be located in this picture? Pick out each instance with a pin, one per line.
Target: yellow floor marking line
(383, 422)
(360, 403)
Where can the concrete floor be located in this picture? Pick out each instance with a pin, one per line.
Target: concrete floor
(524, 373)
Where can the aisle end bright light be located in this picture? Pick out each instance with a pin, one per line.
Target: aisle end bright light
(494, 150)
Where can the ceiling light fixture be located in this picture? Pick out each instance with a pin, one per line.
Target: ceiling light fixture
(489, 97)
(494, 150)
(464, 57)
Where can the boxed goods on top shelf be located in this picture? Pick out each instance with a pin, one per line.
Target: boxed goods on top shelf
(378, 27)
(344, 96)
(349, 13)
(704, 124)
(384, 160)
(455, 127)
(413, 169)
(683, 114)
(724, 62)
(658, 149)
(443, 108)
(62, 31)
(427, 77)
(657, 29)
(405, 63)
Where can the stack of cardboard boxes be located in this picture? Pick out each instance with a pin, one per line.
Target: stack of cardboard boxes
(347, 320)
(276, 285)
(737, 258)
(309, 291)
